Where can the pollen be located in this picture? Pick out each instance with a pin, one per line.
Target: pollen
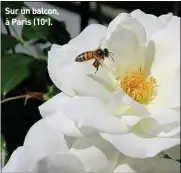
(138, 85)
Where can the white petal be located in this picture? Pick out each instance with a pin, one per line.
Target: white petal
(89, 111)
(150, 22)
(174, 152)
(115, 22)
(85, 85)
(174, 133)
(47, 139)
(132, 165)
(96, 154)
(138, 146)
(59, 163)
(167, 118)
(150, 126)
(168, 92)
(165, 19)
(58, 121)
(22, 159)
(53, 104)
(167, 166)
(124, 168)
(131, 120)
(62, 124)
(149, 57)
(90, 37)
(120, 102)
(167, 56)
(125, 45)
(116, 104)
(167, 48)
(139, 108)
(148, 165)
(61, 61)
(128, 23)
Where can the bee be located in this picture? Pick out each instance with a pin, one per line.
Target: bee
(99, 55)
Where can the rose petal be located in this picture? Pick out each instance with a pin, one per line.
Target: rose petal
(53, 104)
(85, 85)
(168, 93)
(120, 102)
(167, 56)
(22, 159)
(153, 165)
(174, 133)
(150, 22)
(167, 118)
(132, 165)
(96, 154)
(63, 125)
(140, 146)
(141, 109)
(128, 53)
(89, 111)
(165, 19)
(128, 23)
(45, 138)
(167, 166)
(150, 56)
(58, 163)
(174, 152)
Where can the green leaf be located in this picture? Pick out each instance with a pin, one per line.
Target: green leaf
(30, 32)
(4, 153)
(52, 91)
(14, 70)
(12, 5)
(55, 33)
(8, 42)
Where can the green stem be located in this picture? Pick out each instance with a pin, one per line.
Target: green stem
(36, 95)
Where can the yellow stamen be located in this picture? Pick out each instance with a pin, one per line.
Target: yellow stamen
(138, 85)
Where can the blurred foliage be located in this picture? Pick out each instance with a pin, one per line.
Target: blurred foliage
(9, 42)
(16, 66)
(24, 73)
(55, 33)
(4, 153)
(11, 5)
(14, 70)
(52, 90)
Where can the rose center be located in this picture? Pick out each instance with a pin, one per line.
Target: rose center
(138, 85)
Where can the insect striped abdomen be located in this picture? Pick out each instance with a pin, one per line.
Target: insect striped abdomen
(85, 56)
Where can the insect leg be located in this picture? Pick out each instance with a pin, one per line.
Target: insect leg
(99, 60)
(111, 53)
(112, 58)
(96, 65)
(96, 70)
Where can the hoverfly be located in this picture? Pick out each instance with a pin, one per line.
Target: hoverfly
(99, 55)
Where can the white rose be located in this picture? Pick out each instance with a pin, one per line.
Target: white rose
(47, 150)
(133, 102)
